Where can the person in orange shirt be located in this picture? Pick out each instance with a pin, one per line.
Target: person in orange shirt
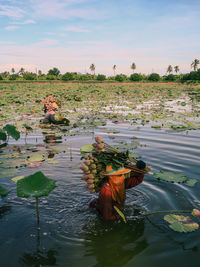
(50, 107)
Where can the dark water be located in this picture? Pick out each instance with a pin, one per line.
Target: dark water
(72, 235)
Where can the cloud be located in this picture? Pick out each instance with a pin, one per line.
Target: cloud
(10, 28)
(11, 11)
(29, 21)
(46, 42)
(6, 43)
(75, 29)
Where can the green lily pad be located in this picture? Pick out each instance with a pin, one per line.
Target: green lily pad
(35, 185)
(180, 223)
(3, 191)
(11, 131)
(36, 157)
(191, 182)
(87, 148)
(3, 136)
(58, 149)
(17, 178)
(113, 131)
(8, 173)
(52, 161)
(170, 177)
(134, 155)
(132, 145)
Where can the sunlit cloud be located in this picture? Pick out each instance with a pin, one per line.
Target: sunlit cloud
(11, 11)
(46, 42)
(29, 21)
(75, 29)
(12, 27)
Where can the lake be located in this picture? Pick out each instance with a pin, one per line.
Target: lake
(70, 234)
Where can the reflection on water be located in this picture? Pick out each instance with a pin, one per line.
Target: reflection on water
(115, 244)
(73, 235)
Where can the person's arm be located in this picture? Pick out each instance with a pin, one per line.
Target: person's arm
(134, 180)
(105, 205)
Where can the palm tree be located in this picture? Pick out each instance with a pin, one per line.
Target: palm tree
(195, 64)
(21, 71)
(92, 68)
(114, 69)
(169, 69)
(133, 66)
(13, 70)
(176, 69)
(39, 72)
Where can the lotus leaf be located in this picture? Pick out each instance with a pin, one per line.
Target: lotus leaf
(3, 136)
(52, 161)
(170, 177)
(17, 178)
(8, 173)
(180, 223)
(132, 145)
(113, 131)
(59, 148)
(35, 185)
(87, 148)
(3, 191)
(35, 158)
(191, 182)
(11, 131)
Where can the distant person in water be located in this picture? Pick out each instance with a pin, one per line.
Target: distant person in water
(50, 108)
(113, 190)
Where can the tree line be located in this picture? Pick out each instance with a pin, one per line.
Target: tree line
(55, 74)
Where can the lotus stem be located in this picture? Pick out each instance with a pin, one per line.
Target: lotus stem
(37, 210)
(70, 150)
(167, 211)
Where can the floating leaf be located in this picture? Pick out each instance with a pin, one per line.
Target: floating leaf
(11, 131)
(120, 214)
(35, 185)
(36, 158)
(170, 177)
(3, 191)
(52, 161)
(191, 182)
(180, 223)
(7, 173)
(87, 148)
(17, 178)
(3, 136)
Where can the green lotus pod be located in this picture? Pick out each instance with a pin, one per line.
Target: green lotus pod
(35, 185)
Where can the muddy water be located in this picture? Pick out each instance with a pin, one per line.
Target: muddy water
(70, 234)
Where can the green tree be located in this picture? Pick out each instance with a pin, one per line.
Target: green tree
(101, 77)
(176, 69)
(12, 70)
(54, 71)
(92, 68)
(169, 69)
(195, 64)
(120, 77)
(114, 69)
(154, 77)
(133, 66)
(136, 77)
(21, 72)
(68, 76)
(39, 72)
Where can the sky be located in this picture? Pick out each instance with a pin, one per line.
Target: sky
(73, 34)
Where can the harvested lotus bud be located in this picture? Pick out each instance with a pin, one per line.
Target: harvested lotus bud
(93, 166)
(196, 213)
(99, 139)
(100, 145)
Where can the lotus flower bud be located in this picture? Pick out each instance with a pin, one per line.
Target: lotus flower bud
(90, 176)
(99, 139)
(93, 166)
(100, 145)
(86, 156)
(196, 213)
(94, 145)
(84, 177)
(95, 159)
(90, 181)
(92, 191)
(87, 172)
(93, 171)
(87, 162)
(90, 156)
(91, 186)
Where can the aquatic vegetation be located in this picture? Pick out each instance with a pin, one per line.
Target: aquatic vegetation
(3, 191)
(174, 178)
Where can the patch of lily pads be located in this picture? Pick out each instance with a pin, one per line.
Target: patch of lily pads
(174, 178)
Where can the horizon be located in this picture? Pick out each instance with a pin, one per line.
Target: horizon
(73, 34)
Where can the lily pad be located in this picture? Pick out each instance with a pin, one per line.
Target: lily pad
(11, 131)
(170, 177)
(17, 178)
(8, 173)
(191, 182)
(132, 145)
(3, 191)
(87, 148)
(52, 161)
(3, 136)
(35, 185)
(180, 223)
